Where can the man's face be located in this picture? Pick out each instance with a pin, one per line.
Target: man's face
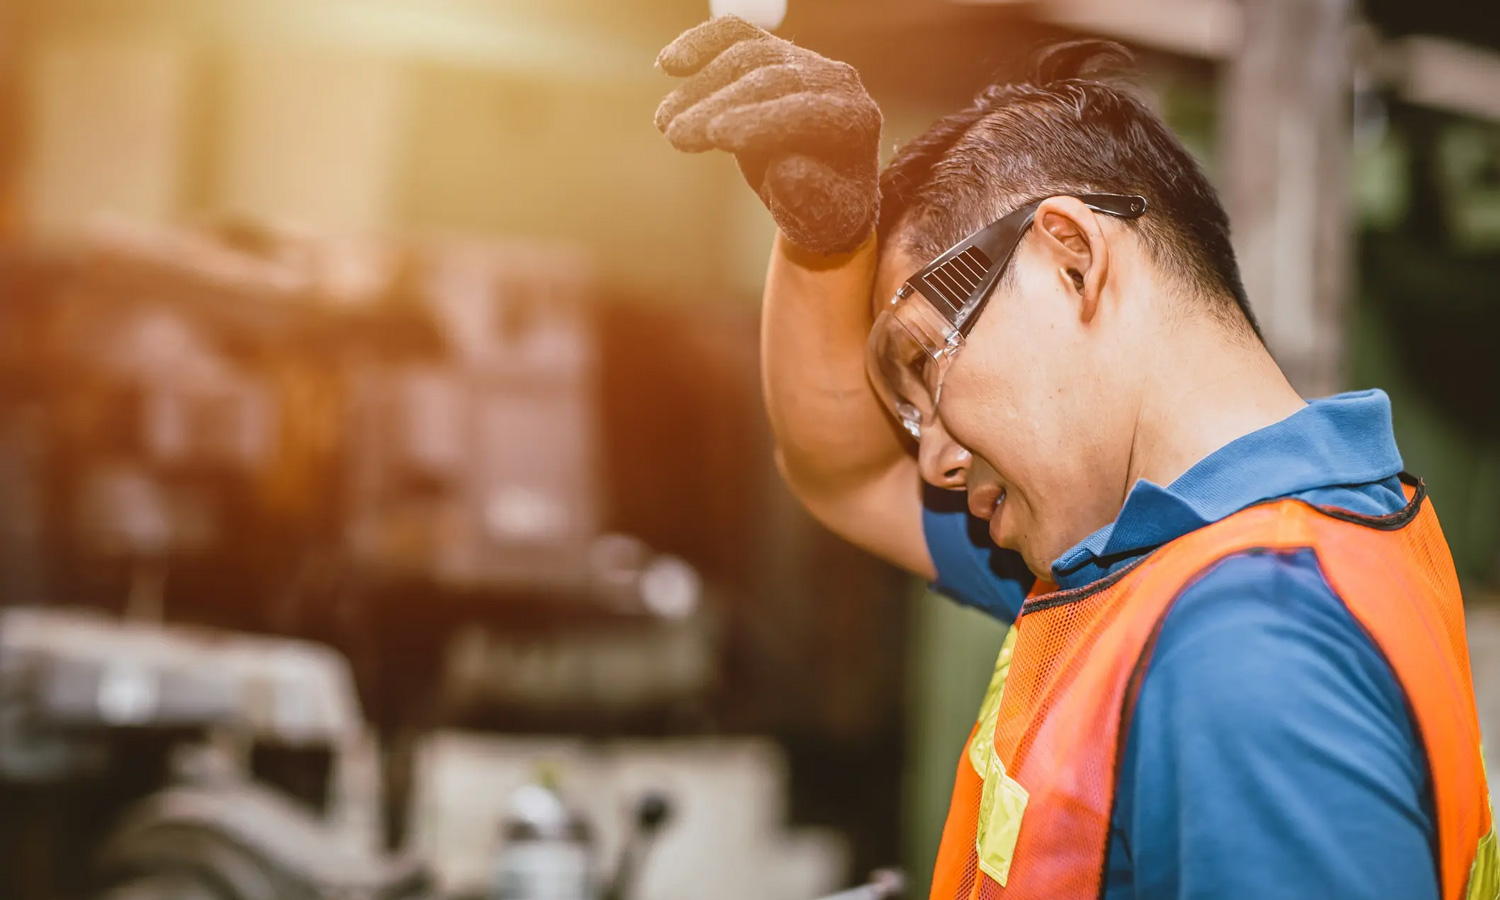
(1028, 417)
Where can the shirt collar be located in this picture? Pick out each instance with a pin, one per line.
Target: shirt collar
(1341, 440)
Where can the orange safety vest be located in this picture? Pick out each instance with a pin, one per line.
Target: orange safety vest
(1031, 805)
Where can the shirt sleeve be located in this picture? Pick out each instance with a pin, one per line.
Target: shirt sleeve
(1271, 752)
(970, 568)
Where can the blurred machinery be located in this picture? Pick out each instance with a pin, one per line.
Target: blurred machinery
(142, 761)
(277, 513)
(135, 756)
(265, 432)
(73, 675)
(477, 470)
(429, 406)
(728, 806)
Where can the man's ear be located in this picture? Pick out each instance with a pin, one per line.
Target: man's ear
(1071, 235)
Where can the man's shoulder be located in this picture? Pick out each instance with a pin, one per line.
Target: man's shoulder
(1262, 641)
(1269, 727)
(1251, 608)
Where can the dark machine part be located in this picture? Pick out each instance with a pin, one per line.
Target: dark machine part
(652, 813)
(240, 841)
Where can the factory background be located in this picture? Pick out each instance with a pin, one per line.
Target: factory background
(380, 428)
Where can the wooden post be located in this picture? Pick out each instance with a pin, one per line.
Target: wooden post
(1285, 141)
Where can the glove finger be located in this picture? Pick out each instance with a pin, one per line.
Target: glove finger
(699, 45)
(817, 206)
(804, 121)
(727, 68)
(688, 130)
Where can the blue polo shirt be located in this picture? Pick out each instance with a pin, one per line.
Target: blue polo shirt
(1272, 753)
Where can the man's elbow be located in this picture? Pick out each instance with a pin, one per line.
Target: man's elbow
(806, 486)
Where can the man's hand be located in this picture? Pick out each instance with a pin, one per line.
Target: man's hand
(803, 129)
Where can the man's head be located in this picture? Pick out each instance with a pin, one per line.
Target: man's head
(1040, 406)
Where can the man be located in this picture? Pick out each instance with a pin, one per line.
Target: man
(1241, 671)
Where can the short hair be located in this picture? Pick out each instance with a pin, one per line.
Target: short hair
(1070, 128)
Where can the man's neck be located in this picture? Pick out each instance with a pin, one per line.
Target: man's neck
(1212, 388)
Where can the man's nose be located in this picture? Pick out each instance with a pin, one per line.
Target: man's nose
(942, 461)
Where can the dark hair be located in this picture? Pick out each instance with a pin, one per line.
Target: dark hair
(1069, 129)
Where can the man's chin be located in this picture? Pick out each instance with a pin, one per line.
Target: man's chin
(1038, 559)
(1041, 568)
(1010, 529)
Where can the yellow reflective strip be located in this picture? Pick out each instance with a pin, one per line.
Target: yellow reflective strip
(1484, 875)
(989, 711)
(1001, 806)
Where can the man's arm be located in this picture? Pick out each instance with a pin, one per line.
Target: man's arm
(835, 446)
(806, 136)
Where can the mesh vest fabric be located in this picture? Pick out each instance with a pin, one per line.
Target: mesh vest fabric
(1031, 806)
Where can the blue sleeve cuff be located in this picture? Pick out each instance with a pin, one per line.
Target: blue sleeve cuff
(970, 568)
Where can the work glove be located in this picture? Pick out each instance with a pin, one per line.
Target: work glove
(805, 133)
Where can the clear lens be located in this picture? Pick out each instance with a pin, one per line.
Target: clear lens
(911, 346)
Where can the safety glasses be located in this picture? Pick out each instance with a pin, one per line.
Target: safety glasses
(916, 337)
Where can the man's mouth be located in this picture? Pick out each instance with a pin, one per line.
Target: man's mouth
(985, 501)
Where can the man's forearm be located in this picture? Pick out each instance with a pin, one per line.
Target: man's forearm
(830, 430)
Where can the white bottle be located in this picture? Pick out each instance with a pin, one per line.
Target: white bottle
(547, 850)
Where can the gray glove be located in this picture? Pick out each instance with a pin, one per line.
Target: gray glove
(803, 129)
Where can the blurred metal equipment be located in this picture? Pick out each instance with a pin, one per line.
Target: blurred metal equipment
(162, 419)
(479, 471)
(240, 841)
(180, 716)
(424, 410)
(652, 645)
(69, 677)
(453, 473)
(633, 666)
(729, 804)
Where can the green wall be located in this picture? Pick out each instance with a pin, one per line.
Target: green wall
(952, 654)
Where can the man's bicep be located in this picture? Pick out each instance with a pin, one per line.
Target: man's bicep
(1271, 752)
